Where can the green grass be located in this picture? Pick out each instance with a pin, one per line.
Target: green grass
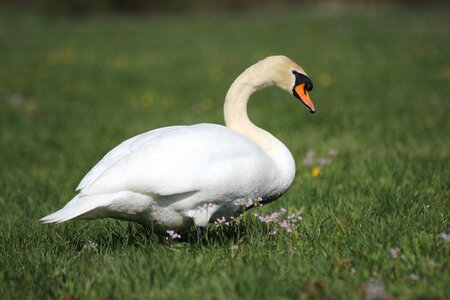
(71, 89)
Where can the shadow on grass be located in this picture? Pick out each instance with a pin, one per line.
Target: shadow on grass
(117, 235)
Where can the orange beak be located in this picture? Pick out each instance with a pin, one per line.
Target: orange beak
(304, 97)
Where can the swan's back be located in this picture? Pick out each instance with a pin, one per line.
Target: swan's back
(181, 159)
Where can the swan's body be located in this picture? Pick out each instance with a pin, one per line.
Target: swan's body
(174, 177)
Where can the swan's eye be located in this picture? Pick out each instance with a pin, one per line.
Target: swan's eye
(302, 78)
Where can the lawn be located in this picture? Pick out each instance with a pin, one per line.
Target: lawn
(373, 190)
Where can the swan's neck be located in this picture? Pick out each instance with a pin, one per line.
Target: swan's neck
(236, 118)
(235, 112)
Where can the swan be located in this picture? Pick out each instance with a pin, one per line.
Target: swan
(175, 177)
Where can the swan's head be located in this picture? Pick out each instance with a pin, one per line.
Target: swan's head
(290, 77)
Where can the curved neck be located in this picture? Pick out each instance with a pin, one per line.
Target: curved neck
(235, 108)
(236, 118)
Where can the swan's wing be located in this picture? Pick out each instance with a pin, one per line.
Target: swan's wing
(182, 159)
(122, 150)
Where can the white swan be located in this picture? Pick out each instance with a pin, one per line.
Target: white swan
(174, 177)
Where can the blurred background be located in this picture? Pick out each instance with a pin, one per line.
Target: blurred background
(76, 7)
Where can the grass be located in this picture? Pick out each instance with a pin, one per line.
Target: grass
(71, 89)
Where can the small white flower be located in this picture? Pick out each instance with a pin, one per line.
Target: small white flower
(250, 202)
(258, 202)
(395, 253)
(287, 222)
(221, 221)
(16, 98)
(324, 161)
(90, 245)
(173, 235)
(333, 152)
(414, 277)
(293, 218)
(206, 206)
(431, 263)
(375, 290)
(284, 224)
(309, 158)
(445, 237)
(273, 232)
(236, 220)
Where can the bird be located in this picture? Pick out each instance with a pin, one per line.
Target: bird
(175, 177)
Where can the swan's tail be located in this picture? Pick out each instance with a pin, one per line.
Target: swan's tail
(85, 207)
